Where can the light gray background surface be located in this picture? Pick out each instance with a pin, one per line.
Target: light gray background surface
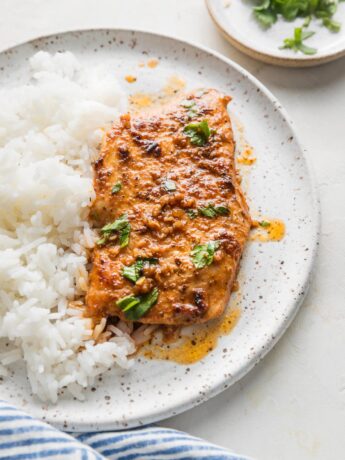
(292, 405)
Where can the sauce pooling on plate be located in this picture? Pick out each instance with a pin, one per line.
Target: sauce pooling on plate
(145, 100)
(196, 344)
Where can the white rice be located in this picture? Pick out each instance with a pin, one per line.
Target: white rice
(50, 130)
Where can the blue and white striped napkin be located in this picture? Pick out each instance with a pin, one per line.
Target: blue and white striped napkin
(23, 437)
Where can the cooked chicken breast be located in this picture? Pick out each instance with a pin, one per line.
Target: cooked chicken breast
(173, 220)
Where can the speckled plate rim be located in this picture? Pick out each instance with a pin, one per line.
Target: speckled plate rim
(269, 58)
(293, 304)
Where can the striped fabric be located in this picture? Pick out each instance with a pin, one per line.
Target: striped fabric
(23, 437)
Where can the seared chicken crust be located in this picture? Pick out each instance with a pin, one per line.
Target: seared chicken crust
(142, 152)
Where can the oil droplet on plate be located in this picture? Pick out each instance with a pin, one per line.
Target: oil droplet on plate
(130, 78)
(246, 157)
(152, 63)
(268, 230)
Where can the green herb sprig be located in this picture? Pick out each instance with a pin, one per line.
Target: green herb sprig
(203, 254)
(192, 108)
(209, 211)
(134, 307)
(213, 211)
(192, 213)
(198, 133)
(116, 188)
(268, 11)
(296, 42)
(134, 272)
(120, 226)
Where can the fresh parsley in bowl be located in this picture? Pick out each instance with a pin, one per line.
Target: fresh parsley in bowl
(267, 12)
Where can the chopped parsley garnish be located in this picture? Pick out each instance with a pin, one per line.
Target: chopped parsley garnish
(117, 187)
(169, 185)
(120, 226)
(307, 21)
(210, 211)
(214, 211)
(198, 133)
(333, 26)
(192, 213)
(192, 107)
(296, 43)
(150, 260)
(325, 8)
(203, 254)
(264, 223)
(267, 13)
(134, 307)
(134, 272)
(127, 302)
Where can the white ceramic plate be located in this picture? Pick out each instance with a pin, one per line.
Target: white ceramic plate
(235, 20)
(274, 276)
